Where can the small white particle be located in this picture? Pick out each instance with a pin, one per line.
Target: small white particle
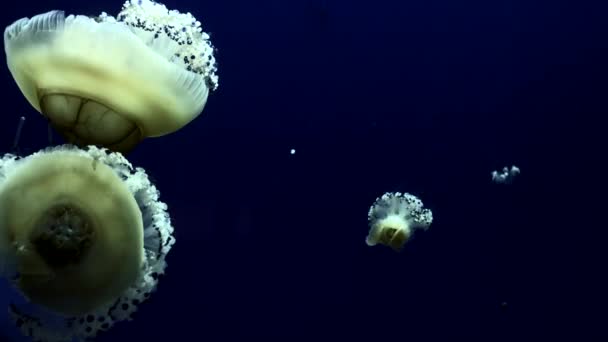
(293, 151)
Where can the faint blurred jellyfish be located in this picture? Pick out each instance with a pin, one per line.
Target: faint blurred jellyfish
(83, 238)
(393, 218)
(506, 176)
(112, 82)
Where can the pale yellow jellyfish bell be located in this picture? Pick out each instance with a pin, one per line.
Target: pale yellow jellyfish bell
(109, 81)
(83, 237)
(393, 218)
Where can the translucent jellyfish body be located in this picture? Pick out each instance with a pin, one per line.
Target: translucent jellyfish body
(393, 218)
(83, 238)
(109, 81)
(506, 176)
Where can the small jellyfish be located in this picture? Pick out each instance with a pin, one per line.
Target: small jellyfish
(393, 218)
(112, 82)
(506, 176)
(83, 239)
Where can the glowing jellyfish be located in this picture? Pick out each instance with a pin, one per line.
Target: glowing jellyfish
(83, 237)
(506, 176)
(393, 218)
(109, 81)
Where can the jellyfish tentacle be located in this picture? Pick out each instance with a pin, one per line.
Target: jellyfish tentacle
(16, 148)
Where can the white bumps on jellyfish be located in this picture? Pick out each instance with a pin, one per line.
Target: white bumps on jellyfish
(41, 322)
(177, 36)
(109, 81)
(506, 176)
(393, 218)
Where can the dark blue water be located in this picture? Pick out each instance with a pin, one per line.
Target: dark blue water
(426, 97)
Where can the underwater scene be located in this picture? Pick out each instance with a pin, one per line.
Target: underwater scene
(303, 170)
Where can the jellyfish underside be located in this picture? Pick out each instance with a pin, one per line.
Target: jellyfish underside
(75, 232)
(393, 237)
(84, 122)
(62, 235)
(83, 240)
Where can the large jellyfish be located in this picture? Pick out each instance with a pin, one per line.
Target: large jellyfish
(393, 218)
(112, 82)
(83, 239)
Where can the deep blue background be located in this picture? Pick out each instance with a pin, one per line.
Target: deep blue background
(423, 96)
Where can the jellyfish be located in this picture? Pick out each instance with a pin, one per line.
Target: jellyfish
(393, 218)
(113, 81)
(83, 240)
(506, 176)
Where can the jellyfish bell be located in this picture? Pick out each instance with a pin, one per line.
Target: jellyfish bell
(55, 207)
(83, 237)
(112, 82)
(393, 218)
